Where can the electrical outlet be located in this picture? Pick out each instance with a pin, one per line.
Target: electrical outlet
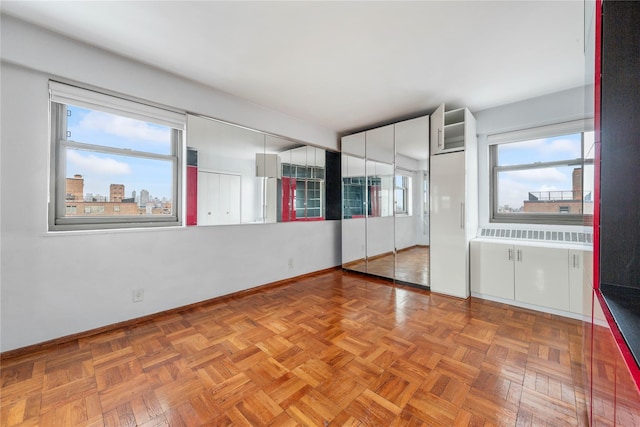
(290, 263)
(138, 295)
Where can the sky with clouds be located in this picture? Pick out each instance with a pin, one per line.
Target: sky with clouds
(514, 186)
(99, 170)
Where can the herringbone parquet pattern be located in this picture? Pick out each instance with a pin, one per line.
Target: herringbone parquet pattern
(332, 349)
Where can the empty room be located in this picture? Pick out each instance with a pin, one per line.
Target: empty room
(313, 213)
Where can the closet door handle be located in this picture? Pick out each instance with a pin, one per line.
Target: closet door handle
(440, 142)
(519, 255)
(462, 216)
(510, 254)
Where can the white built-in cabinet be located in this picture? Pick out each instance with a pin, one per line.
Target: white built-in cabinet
(543, 276)
(449, 129)
(493, 269)
(454, 200)
(218, 198)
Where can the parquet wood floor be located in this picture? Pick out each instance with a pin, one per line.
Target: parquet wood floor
(336, 348)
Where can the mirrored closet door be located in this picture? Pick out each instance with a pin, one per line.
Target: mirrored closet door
(385, 188)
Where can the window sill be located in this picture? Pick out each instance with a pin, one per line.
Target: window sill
(59, 233)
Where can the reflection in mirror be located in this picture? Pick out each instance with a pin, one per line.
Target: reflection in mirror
(248, 177)
(227, 183)
(412, 201)
(379, 228)
(380, 242)
(303, 184)
(354, 208)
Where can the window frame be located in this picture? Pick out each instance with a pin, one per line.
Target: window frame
(555, 130)
(306, 191)
(60, 96)
(405, 188)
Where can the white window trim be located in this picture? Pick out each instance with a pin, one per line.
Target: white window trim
(564, 128)
(67, 94)
(406, 190)
(64, 94)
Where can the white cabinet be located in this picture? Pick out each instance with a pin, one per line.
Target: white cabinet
(268, 165)
(544, 276)
(492, 269)
(453, 213)
(450, 130)
(218, 198)
(448, 243)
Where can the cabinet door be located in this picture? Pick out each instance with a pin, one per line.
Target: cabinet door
(448, 253)
(542, 276)
(437, 130)
(492, 269)
(206, 181)
(230, 198)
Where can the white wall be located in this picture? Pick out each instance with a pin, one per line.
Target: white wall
(549, 109)
(56, 284)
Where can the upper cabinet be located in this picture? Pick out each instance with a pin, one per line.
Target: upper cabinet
(449, 130)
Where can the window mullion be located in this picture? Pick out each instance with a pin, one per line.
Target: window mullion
(538, 165)
(114, 150)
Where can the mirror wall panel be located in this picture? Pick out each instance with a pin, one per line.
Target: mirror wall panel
(250, 177)
(228, 160)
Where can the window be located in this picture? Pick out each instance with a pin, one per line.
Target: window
(403, 194)
(543, 175)
(115, 163)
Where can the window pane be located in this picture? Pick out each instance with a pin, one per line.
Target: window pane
(551, 190)
(108, 184)
(589, 145)
(100, 128)
(400, 202)
(588, 180)
(558, 148)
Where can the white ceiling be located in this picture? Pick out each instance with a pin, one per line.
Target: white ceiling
(342, 65)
